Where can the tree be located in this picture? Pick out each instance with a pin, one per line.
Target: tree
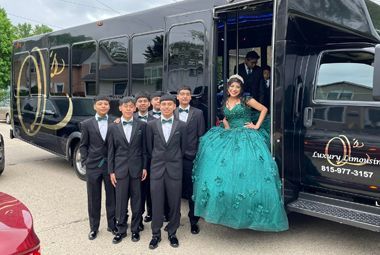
(25, 30)
(6, 39)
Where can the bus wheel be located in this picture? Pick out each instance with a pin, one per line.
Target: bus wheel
(79, 170)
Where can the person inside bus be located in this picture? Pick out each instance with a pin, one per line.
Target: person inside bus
(127, 164)
(155, 102)
(195, 127)
(265, 87)
(236, 180)
(93, 149)
(252, 74)
(166, 144)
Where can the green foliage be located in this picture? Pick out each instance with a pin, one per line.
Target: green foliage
(25, 30)
(6, 39)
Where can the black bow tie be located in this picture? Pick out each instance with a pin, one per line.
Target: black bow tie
(143, 117)
(156, 113)
(183, 110)
(128, 122)
(170, 121)
(102, 118)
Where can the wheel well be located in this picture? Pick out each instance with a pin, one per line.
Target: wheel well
(73, 143)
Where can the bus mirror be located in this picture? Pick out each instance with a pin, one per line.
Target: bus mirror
(376, 74)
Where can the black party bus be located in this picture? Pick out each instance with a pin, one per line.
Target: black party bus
(325, 86)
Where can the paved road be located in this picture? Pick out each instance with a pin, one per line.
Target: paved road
(57, 199)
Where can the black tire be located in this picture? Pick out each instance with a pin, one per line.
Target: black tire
(79, 170)
(7, 119)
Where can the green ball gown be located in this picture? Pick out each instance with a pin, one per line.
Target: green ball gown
(236, 180)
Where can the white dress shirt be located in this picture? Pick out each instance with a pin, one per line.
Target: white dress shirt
(103, 126)
(167, 127)
(183, 115)
(154, 113)
(247, 69)
(127, 129)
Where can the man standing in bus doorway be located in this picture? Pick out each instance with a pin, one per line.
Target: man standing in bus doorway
(195, 127)
(252, 75)
(93, 149)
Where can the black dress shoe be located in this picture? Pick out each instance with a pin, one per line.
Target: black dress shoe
(92, 235)
(173, 241)
(154, 242)
(141, 227)
(148, 218)
(166, 228)
(113, 231)
(118, 237)
(194, 229)
(135, 237)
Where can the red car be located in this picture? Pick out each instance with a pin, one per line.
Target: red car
(17, 235)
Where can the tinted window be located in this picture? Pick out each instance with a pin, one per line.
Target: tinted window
(82, 57)
(59, 71)
(186, 57)
(38, 62)
(113, 65)
(21, 75)
(147, 63)
(345, 76)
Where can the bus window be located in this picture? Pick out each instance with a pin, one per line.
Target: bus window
(83, 77)
(37, 63)
(186, 57)
(147, 62)
(59, 71)
(113, 66)
(21, 75)
(345, 76)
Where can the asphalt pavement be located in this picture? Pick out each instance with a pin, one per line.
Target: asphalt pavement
(48, 186)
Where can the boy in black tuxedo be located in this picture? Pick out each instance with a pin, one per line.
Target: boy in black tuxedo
(93, 149)
(127, 163)
(195, 127)
(155, 102)
(166, 141)
(142, 105)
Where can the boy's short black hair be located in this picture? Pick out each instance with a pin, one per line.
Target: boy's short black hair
(126, 100)
(252, 55)
(101, 98)
(142, 95)
(167, 97)
(266, 68)
(184, 88)
(156, 94)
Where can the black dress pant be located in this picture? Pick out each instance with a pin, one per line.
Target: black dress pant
(94, 179)
(187, 188)
(163, 189)
(126, 188)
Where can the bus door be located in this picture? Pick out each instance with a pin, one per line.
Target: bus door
(186, 56)
(341, 124)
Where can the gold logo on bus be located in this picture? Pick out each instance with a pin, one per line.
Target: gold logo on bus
(37, 123)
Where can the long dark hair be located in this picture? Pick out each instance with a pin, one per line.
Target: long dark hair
(229, 83)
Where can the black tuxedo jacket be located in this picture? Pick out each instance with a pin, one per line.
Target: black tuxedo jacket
(195, 127)
(127, 158)
(265, 94)
(166, 156)
(93, 148)
(253, 81)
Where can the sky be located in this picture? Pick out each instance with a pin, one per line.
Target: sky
(59, 14)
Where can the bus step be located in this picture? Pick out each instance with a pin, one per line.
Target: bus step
(354, 214)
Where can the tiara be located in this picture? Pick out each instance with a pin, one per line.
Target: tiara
(236, 76)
